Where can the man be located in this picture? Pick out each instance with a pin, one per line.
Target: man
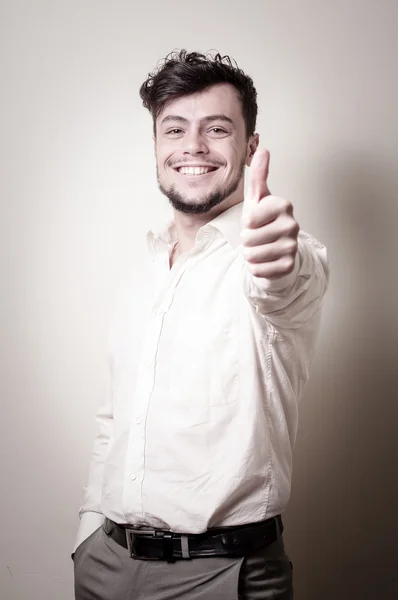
(210, 349)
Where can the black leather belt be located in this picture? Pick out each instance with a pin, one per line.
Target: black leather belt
(153, 544)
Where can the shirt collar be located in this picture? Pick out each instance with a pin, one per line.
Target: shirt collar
(227, 223)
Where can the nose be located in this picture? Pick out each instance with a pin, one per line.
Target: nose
(194, 143)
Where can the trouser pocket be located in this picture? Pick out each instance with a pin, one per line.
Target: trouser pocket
(267, 574)
(81, 547)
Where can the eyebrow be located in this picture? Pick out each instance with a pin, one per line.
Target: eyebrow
(205, 120)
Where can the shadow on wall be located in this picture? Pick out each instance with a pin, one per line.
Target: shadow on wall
(342, 522)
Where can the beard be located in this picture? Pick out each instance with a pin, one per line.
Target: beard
(202, 204)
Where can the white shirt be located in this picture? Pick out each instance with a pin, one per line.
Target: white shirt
(208, 363)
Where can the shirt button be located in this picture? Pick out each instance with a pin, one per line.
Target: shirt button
(149, 362)
(133, 476)
(138, 420)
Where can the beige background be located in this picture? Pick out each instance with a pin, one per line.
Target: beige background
(78, 192)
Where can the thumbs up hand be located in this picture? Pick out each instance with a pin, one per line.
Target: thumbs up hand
(269, 229)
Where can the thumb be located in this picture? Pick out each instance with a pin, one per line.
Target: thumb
(257, 187)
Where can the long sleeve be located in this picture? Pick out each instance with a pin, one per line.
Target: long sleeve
(90, 511)
(293, 300)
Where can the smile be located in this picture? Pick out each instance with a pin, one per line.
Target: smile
(195, 170)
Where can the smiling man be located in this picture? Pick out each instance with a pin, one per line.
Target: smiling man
(201, 154)
(211, 349)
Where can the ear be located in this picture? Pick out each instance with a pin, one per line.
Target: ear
(251, 148)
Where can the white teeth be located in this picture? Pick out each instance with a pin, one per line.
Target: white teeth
(194, 170)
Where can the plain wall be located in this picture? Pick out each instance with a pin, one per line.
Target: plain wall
(78, 193)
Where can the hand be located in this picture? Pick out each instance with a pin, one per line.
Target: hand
(269, 229)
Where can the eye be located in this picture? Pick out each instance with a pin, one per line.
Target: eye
(174, 131)
(218, 131)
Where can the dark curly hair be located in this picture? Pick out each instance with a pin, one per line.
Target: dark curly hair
(183, 73)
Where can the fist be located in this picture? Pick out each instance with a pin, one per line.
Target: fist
(269, 229)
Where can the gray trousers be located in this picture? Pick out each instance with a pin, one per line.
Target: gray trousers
(105, 571)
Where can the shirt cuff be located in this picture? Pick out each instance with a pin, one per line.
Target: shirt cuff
(89, 522)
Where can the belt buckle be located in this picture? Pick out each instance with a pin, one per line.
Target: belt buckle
(131, 542)
(132, 546)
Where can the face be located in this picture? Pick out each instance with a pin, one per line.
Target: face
(201, 150)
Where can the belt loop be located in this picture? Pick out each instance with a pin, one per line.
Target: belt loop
(185, 547)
